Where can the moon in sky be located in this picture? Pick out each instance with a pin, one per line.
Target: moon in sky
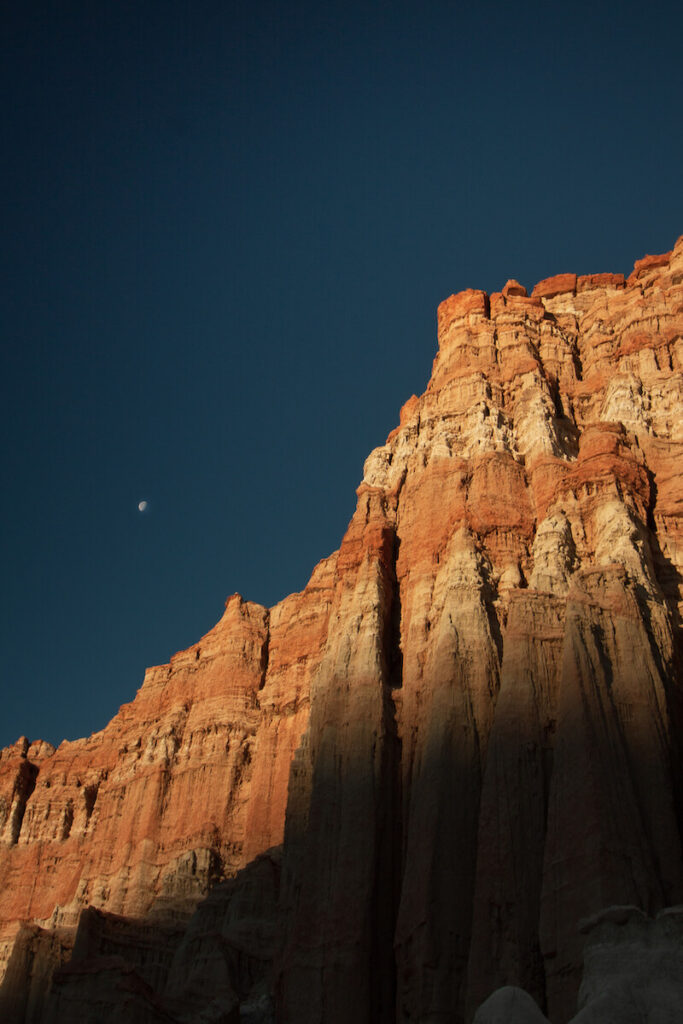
(142, 505)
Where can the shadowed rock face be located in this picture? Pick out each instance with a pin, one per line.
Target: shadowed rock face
(464, 733)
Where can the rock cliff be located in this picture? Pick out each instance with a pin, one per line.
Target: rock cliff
(404, 788)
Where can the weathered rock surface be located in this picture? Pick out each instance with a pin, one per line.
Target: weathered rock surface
(141, 819)
(633, 972)
(509, 1005)
(465, 733)
(633, 967)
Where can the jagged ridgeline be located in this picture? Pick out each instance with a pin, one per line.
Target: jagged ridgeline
(449, 769)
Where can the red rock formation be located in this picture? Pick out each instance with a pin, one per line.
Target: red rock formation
(538, 578)
(466, 730)
(149, 813)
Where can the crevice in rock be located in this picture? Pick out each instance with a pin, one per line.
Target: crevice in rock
(24, 786)
(578, 362)
(68, 820)
(390, 834)
(89, 800)
(265, 653)
(394, 651)
(667, 574)
(489, 593)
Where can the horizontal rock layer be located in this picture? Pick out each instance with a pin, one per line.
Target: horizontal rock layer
(465, 733)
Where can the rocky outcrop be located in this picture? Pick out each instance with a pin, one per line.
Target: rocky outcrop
(465, 733)
(142, 819)
(633, 967)
(509, 1005)
(633, 972)
(214, 968)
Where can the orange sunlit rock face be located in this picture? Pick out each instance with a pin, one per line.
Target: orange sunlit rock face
(463, 735)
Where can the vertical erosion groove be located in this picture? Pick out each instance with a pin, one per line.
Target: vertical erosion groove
(342, 858)
(265, 652)
(389, 838)
(25, 784)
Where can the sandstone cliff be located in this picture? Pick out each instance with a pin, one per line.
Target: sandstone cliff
(406, 786)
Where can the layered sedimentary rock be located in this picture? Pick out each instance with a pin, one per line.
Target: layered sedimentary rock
(463, 737)
(141, 819)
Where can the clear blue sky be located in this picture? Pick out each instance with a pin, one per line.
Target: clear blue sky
(227, 227)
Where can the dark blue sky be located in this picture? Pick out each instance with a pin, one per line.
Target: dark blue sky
(226, 230)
